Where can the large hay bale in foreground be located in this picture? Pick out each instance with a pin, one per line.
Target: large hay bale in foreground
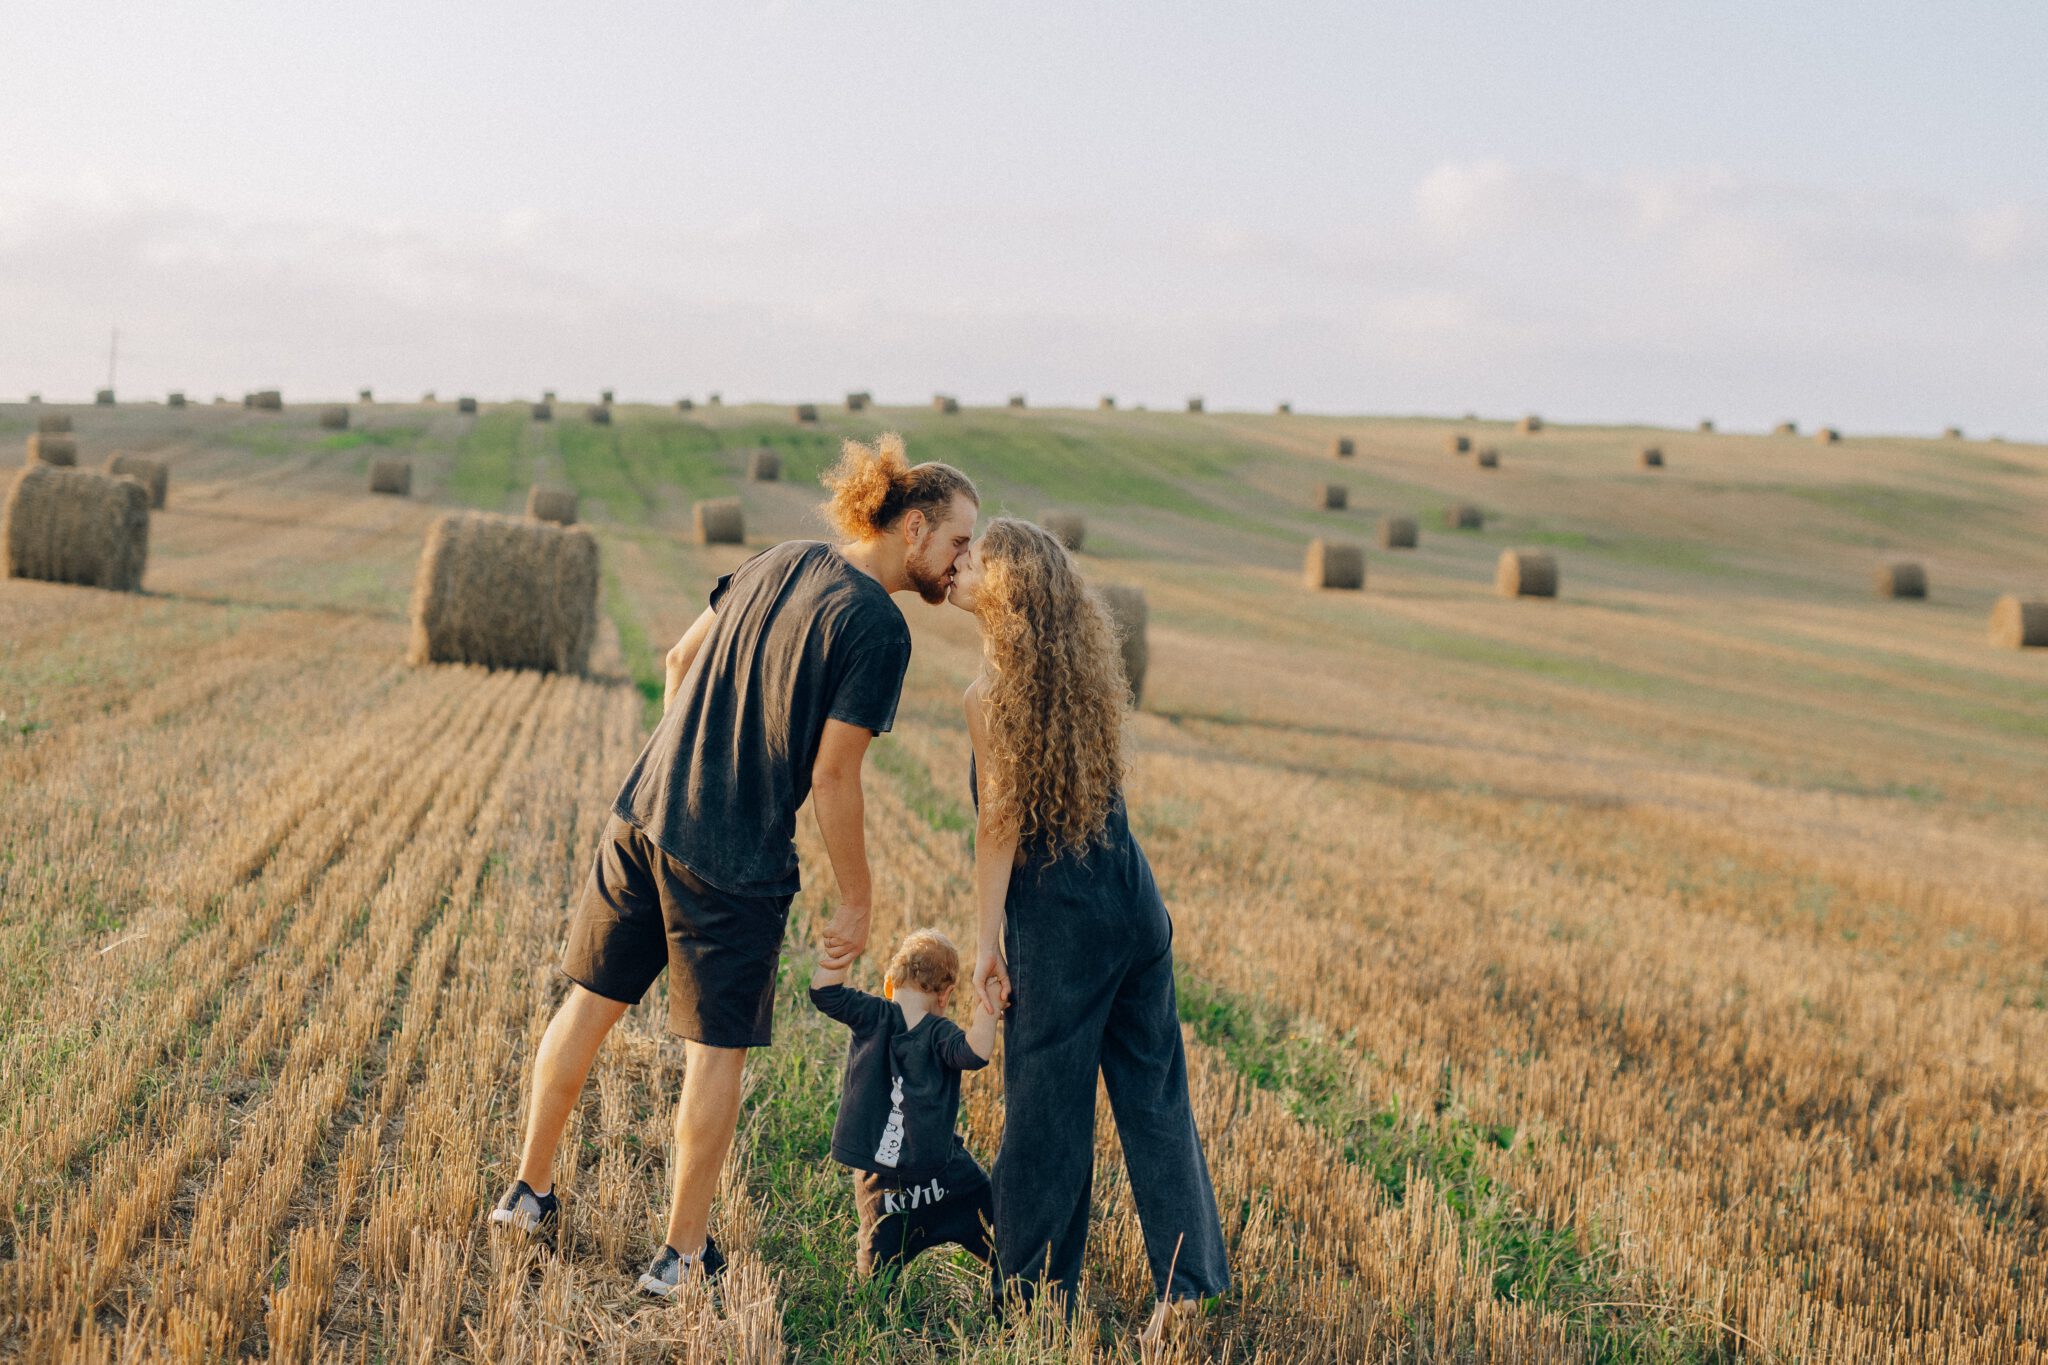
(764, 466)
(1827, 436)
(1785, 429)
(75, 526)
(1526, 573)
(1342, 448)
(176, 398)
(1458, 443)
(392, 476)
(1128, 614)
(1398, 533)
(1068, 528)
(719, 521)
(1194, 405)
(53, 448)
(1529, 425)
(945, 403)
(334, 418)
(1486, 458)
(153, 475)
(267, 400)
(466, 405)
(54, 424)
(1334, 497)
(1016, 400)
(103, 398)
(543, 412)
(1334, 564)
(805, 412)
(858, 402)
(546, 503)
(2018, 624)
(1901, 578)
(1106, 403)
(600, 415)
(505, 593)
(1650, 457)
(1463, 516)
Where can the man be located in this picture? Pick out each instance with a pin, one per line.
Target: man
(774, 693)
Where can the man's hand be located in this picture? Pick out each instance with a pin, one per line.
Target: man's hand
(846, 936)
(991, 980)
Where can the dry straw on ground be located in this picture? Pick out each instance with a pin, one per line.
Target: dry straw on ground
(1458, 443)
(1650, 457)
(1068, 528)
(719, 521)
(945, 403)
(859, 400)
(1398, 533)
(548, 503)
(176, 398)
(391, 475)
(1128, 613)
(1016, 400)
(1335, 497)
(1827, 436)
(1342, 448)
(1486, 458)
(1526, 573)
(52, 447)
(804, 412)
(505, 593)
(600, 414)
(154, 475)
(103, 398)
(543, 412)
(74, 526)
(2018, 623)
(1529, 425)
(334, 418)
(1194, 405)
(1334, 564)
(764, 466)
(1463, 516)
(1901, 578)
(54, 423)
(465, 404)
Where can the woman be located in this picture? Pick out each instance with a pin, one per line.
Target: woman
(1073, 936)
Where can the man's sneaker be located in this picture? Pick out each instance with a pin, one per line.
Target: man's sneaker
(533, 1214)
(669, 1267)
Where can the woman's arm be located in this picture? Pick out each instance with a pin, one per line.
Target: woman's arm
(995, 852)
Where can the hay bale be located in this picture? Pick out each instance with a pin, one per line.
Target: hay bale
(1458, 443)
(1785, 429)
(547, 395)
(1106, 403)
(858, 402)
(364, 396)
(1827, 436)
(266, 400)
(805, 412)
(600, 415)
(1486, 458)
(713, 400)
(543, 412)
(605, 397)
(945, 403)
(1650, 457)
(334, 418)
(466, 405)
(1526, 573)
(505, 593)
(1068, 528)
(1342, 448)
(75, 526)
(1398, 533)
(1463, 516)
(1335, 497)
(2017, 624)
(103, 398)
(1901, 578)
(1194, 405)
(1283, 409)
(176, 399)
(1334, 564)
(1128, 614)
(428, 397)
(54, 424)
(392, 476)
(52, 448)
(1706, 426)
(719, 521)
(153, 475)
(35, 398)
(685, 405)
(1952, 433)
(764, 466)
(1529, 425)
(547, 503)
(1016, 400)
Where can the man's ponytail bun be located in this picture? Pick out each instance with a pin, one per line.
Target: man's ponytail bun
(872, 487)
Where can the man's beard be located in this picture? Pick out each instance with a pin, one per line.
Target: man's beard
(931, 584)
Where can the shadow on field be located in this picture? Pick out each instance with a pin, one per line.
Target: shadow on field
(208, 599)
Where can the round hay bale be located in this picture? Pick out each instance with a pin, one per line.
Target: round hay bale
(1827, 436)
(35, 398)
(1106, 403)
(54, 424)
(1283, 409)
(1706, 426)
(1463, 516)
(1650, 457)
(1486, 458)
(1529, 425)
(1342, 448)
(547, 395)
(858, 402)
(176, 398)
(945, 403)
(1068, 528)
(103, 398)
(75, 526)
(543, 412)
(1526, 573)
(428, 397)
(1785, 429)
(1016, 400)
(600, 415)
(1398, 533)
(2017, 624)
(764, 466)
(267, 400)
(505, 593)
(1458, 443)
(713, 400)
(1194, 405)
(1334, 564)
(364, 396)
(719, 521)
(547, 503)
(686, 405)
(334, 418)
(1335, 497)
(392, 476)
(1953, 433)
(466, 405)
(1128, 614)
(605, 397)
(1901, 578)
(153, 475)
(53, 448)
(805, 412)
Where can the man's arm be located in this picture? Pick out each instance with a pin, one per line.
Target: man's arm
(836, 799)
(684, 653)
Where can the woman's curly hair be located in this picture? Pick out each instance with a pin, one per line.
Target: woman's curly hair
(1054, 691)
(874, 485)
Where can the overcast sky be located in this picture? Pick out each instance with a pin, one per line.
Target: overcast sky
(1752, 211)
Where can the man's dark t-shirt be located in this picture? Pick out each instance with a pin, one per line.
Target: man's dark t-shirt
(802, 636)
(901, 1094)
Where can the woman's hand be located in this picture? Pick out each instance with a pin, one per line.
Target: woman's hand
(991, 980)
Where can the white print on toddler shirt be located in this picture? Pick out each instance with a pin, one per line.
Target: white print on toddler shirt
(916, 1197)
(891, 1150)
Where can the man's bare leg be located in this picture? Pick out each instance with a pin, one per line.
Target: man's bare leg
(559, 1070)
(706, 1118)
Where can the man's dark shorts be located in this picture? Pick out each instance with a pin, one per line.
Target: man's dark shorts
(642, 910)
